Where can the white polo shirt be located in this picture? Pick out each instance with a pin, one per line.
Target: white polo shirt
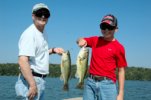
(33, 43)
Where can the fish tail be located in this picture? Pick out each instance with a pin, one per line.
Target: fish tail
(80, 85)
(65, 87)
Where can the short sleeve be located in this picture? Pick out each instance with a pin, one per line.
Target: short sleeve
(90, 41)
(27, 45)
(120, 57)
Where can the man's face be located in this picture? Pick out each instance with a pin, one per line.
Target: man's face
(40, 21)
(41, 16)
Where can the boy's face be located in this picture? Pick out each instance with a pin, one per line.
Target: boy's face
(108, 31)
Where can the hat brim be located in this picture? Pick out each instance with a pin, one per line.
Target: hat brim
(41, 9)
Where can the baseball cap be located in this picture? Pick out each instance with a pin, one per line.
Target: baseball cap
(41, 10)
(110, 20)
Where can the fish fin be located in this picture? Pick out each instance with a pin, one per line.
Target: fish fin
(66, 87)
(80, 85)
(61, 77)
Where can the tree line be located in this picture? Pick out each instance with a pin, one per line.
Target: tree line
(132, 73)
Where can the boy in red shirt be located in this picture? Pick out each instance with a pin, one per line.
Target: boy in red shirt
(107, 55)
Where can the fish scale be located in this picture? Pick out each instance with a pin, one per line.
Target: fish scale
(65, 69)
(82, 66)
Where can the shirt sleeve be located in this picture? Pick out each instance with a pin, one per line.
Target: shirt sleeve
(121, 58)
(90, 41)
(27, 45)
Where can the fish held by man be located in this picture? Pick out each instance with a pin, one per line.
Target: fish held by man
(65, 69)
(82, 66)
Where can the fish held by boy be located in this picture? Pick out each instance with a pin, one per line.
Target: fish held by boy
(82, 66)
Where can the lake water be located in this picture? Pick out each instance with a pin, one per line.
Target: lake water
(134, 90)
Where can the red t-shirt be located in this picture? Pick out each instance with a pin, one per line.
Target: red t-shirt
(106, 56)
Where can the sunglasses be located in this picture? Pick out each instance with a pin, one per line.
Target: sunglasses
(106, 26)
(42, 13)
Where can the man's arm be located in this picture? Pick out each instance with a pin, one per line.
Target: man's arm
(26, 71)
(56, 50)
(121, 80)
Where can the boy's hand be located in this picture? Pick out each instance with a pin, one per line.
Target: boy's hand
(119, 97)
(81, 42)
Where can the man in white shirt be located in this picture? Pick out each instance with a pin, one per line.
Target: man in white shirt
(34, 56)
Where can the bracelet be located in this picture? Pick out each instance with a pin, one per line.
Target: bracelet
(53, 50)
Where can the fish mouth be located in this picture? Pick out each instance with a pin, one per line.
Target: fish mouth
(66, 52)
(85, 48)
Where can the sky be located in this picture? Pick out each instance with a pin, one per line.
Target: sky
(72, 19)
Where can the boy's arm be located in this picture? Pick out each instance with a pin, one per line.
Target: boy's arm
(121, 80)
(82, 42)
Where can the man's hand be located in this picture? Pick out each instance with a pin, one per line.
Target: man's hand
(32, 92)
(58, 50)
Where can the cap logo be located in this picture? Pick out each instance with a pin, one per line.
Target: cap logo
(107, 21)
(108, 17)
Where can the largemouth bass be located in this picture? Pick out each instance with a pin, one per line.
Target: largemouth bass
(65, 69)
(82, 66)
